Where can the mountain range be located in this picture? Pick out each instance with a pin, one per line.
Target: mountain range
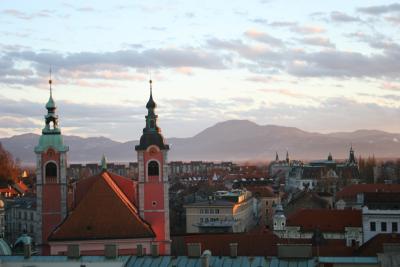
(236, 140)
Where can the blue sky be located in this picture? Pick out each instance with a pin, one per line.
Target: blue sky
(318, 65)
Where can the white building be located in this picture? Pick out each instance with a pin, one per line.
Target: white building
(379, 221)
(228, 211)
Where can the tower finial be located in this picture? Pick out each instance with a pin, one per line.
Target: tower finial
(50, 82)
(151, 86)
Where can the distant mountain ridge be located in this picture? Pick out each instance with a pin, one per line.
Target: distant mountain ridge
(229, 140)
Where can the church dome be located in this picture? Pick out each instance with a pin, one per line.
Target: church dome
(24, 239)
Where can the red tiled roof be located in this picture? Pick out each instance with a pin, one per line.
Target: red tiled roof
(324, 219)
(351, 191)
(248, 244)
(104, 212)
(375, 244)
(128, 187)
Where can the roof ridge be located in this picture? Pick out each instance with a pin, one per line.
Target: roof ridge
(115, 188)
(118, 191)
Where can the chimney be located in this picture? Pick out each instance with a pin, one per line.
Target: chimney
(73, 252)
(194, 250)
(154, 250)
(27, 251)
(139, 250)
(110, 251)
(233, 250)
(205, 261)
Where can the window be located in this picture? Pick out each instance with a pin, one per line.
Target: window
(211, 211)
(394, 227)
(201, 220)
(153, 168)
(206, 211)
(216, 211)
(201, 211)
(51, 172)
(383, 226)
(372, 226)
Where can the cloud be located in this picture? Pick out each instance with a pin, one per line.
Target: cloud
(260, 21)
(317, 41)
(379, 9)
(263, 37)
(338, 16)
(307, 29)
(283, 24)
(115, 65)
(25, 16)
(393, 19)
(391, 86)
(153, 58)
(326, 63)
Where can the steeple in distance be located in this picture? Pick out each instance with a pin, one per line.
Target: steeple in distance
(352, 158)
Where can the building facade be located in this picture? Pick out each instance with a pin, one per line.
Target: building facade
(227, 211)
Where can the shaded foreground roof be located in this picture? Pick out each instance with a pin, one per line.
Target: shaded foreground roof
(249, 244)
(255, 244)
(375, 244)
(351, 191)
(325, 219)
(104, 212)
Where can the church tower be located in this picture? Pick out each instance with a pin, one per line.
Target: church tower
(51, 171)
(352, 158)
(153, 181)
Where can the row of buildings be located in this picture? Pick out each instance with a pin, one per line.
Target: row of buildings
(176, 169)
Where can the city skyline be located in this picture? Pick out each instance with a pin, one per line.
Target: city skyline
(319, 68)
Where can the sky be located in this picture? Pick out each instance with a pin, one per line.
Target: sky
(322, 66)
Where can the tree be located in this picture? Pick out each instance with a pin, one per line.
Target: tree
(8, 168)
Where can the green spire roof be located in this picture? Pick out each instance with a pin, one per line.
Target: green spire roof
(103, 163)
(51, 104)
(151, 104)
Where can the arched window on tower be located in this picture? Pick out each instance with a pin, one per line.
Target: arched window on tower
(51, 173)
(153, 169)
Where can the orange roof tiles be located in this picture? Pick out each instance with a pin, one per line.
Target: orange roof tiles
(325, 219)
(128, 186)
(104, 212)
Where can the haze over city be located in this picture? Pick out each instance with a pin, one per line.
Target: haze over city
(319, 66)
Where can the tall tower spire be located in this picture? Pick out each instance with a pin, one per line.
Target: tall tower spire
(51, 175)
(152, 153)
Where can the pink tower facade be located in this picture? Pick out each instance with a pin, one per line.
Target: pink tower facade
(51, 181)
(153, 184)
